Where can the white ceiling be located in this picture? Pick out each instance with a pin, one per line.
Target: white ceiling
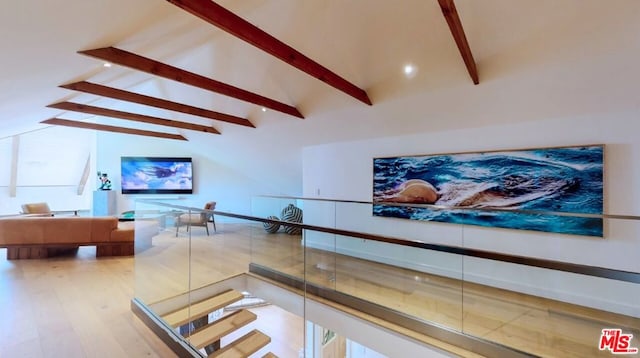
(528, 52)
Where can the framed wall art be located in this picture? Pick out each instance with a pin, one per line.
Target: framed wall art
(546, 189)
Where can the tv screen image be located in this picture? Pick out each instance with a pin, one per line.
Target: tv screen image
(156, 175)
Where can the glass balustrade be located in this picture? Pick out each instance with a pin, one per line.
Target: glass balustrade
(433, 283)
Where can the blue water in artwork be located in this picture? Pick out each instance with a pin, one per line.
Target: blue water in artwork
(156, 174)
(567, 180)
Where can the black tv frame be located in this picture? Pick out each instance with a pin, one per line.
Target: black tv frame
(157, 159)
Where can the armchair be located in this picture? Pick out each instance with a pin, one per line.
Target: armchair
(42, 209)
(198, 219)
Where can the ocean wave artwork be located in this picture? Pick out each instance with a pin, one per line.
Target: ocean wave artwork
(157, 175)
(548, 189)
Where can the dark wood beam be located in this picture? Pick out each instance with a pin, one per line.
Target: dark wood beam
(137, 62)
(105, 91)
(105, 112)
(224, 19)
(455, 25)
(102, 127)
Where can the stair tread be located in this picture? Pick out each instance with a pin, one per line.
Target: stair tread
(220, 328)
(244, 346)
(202, 308)
(269, 355)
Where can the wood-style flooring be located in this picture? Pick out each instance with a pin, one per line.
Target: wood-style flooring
(72, 307)
(79, 306)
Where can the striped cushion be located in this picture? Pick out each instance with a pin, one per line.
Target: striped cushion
(292, 214)
(271, 228)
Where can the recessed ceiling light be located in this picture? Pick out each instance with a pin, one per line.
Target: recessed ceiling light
(106, 64)
(409, 70)
(264, 109)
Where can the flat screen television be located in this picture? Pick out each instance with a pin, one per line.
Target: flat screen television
(156, 175)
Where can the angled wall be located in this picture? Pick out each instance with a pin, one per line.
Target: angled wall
(50, 167)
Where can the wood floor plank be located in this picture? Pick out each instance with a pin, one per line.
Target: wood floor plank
(29, 348)
(72, 306)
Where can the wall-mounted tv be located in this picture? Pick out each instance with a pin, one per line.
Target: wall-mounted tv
(156, 175)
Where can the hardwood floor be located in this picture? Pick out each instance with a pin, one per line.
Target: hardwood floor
(79, 306)
(72, 307)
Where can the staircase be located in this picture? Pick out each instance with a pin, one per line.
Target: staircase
(207, 335)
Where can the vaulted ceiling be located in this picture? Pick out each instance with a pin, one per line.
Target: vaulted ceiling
(244, 57)
(252, 60)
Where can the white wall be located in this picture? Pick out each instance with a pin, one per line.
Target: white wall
(353, 162)
(569, 78)
(566, 76)
(228, 175)
(344, 171)
(51, 163)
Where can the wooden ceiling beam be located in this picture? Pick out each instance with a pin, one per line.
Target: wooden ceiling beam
(455, 25)
(110, 92)
(105, 112)
(106, 128)
(224, 19)
(140, 63)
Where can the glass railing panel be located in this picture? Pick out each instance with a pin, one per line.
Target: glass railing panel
(217, 254)
(246, 243)
(277, 250)
(547, 311)
(320, 259)
(276, 245)
(169, 268)
(320, 268)
(420, 283)
(280, 317)
(434, 273)
(265, 206)
(212, 253)
(162, 257)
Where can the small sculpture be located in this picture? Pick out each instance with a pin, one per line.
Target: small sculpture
(105, 183)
